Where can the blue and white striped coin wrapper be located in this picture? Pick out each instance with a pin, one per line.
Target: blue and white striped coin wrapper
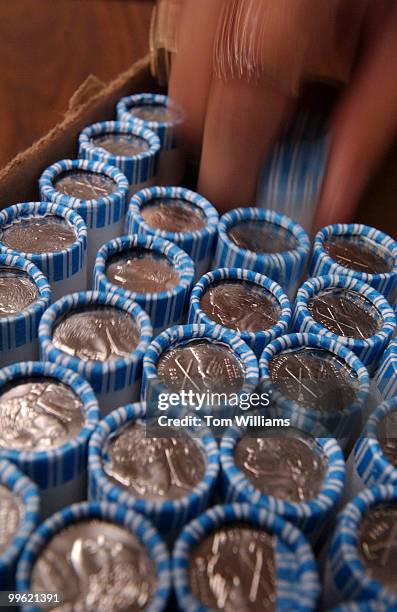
(342, 424)
(65, 270)
(116, 382)
(133, 522)
(255, 340)
(140, 169)
(104, 217)
(165, 308)
(286, 268)
(19, 332)
(172, 160)
(308, 515)
(168, 515)
(377, 241)
(297, 581)
(26, 496)
(385, 379)
(367, 465)
(199, 244)
(60, 472)
(345, 575)
(368, 350)
(180, 335)
(291, 179)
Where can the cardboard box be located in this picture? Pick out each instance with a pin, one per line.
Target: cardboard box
(93, 101)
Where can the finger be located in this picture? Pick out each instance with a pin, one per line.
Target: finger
(243, 120)
(364, 127)
(192, 67)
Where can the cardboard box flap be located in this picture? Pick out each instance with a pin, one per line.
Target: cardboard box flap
(93, 101)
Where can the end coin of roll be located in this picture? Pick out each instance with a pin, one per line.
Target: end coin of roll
(180, 216)
(245, 549)
(53, 237)
(151, 271)
(97, 191)
(348, 311)
(168, 479)
(19, 506)
(246, 302)
(101, 337)
(25, 295)
(263, 241)
(132, 149)
(47, 416)
(119, 545)
(160, 114)
(360, 251)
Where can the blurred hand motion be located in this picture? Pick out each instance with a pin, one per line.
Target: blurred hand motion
(238, 67)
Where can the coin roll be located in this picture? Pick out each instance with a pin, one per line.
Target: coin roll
(386, 376)
(263, 286)
(324, 482)
(48, 414)
(195, 465)
(293, 583)
(102, 205)
(85, 345)
(235, 367)
(25, 294)
(163, 265)
(115, 534)
(180, 216)
(19, 504)
(374, 457)
(359, 251)
(281, 254)
(363, 525)
(58, 236)
(158, 113)
(348, 311)
(350, 394)
(138, 162)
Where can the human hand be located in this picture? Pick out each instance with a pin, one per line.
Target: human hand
(237, 73)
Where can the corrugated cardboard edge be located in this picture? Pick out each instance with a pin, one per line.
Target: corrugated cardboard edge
(93, 101)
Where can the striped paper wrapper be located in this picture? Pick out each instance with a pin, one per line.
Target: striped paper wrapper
(306, 515)
(168, 515)
(286, 268)
(105, 216)
(345, 570)
(339, 423)
(128, 519)
(19, 332)
(376, 241)
(297, 582)
(27, 494)
(182, 334)
(113, 380)
(165, 308)
(255, 340)
(57, 465)
(368, 350)
(140, 169)
(199, 244)
(386, 375)
(65, 269)
(172, 160)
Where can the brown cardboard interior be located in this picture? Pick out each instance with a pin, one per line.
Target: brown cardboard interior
(93, 101)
